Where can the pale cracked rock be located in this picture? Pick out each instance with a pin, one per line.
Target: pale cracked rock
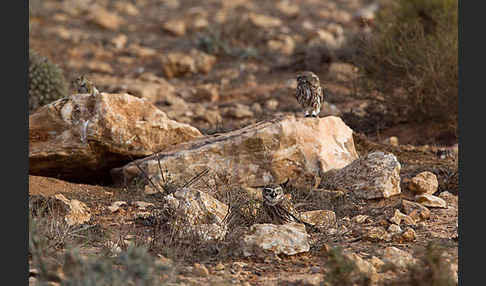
(207, 92)
(196, 213)
(431, 201)
(363, 266)
(78, 212)
(408, 235)
(264, 21)
(361, 219)
(377, 175)
(81, 137)
(239, 111)
(176, 27)
(415, 210)
(115, 206)
(394, 228)
(258, 154)
(267, 239)
(424, 183)
(105, 19)
(319, 217)
(200, 270)
(399, 217)
(397, 257)
(177, 64)
(74, 212)
(377, 234)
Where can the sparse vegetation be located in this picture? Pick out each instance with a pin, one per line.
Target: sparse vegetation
(432, 269)
(412, 58)
(342, 271)
(46, 81)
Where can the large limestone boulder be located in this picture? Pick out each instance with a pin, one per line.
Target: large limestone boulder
(262, 153)
(263, 240)
(377, 175)
(81, 137)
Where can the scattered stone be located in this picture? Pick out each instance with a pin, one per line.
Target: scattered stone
(431, 201)
(319, 217)
(199, 22)
(290, 10)
(262, 153)
(119, 41)
(377, 175)
(239, 111)
(398, 217)
(283, 44)
(207, 92)
(393, 141)
(141, 51)
(267, 239)
(82, 137)
(204, 62)
(263, 21)
(424, 183)
(393, 228)
(175, 27)
(213, 117)
(92, 65)
(363, 266)
(408, 235)
(78, 212)
(143, 205)
(196, 213)
(377, 234)
(219, 267)
(397, 257)
(200, 270)
(115, 206)
(163, 261)
(271, 104)
(343, 71)
(361, 219)
(127, 8)
(177, 64)
(256, 108)
(105, 19)
(415, 210)
(377, 263)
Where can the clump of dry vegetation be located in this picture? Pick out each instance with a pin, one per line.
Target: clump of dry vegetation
(412, 58)
(431, 269)
(341, 270)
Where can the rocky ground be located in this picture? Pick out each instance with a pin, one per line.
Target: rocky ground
(210, 86)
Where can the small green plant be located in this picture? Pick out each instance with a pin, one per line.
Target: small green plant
(412, 58)
(46, 81)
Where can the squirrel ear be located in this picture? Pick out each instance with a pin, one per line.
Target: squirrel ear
(284, 184)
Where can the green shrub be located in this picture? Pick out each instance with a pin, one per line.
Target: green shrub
(46, 81)
(411, 56)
